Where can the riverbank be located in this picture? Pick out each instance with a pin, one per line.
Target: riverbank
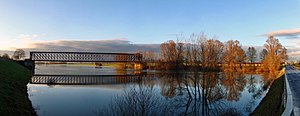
(14, 99)
(271, 104)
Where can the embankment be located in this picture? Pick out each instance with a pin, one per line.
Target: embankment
(271, 104)
(14, 99)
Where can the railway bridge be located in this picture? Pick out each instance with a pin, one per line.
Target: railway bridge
(120, 59)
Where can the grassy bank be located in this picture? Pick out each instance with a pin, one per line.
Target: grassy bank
(13, 90)
(271, 103)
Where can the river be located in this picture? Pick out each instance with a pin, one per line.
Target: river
(80, 90)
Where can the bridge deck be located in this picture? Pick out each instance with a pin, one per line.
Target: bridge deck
(85, 57)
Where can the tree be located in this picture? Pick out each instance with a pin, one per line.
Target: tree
(276, 55)
(179, 54)
(148, 58)
(149, 55)
(233, 56)
(191, 51)
(6, 56)
(172, 54)
(251, 54)
(262, 54)
(210, 52)
(19, 54)
(283, 54)
(167, 51)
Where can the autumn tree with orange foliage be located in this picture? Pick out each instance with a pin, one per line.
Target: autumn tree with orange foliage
(199, 51)
(210, 53)
(276, 54)
(233, 56)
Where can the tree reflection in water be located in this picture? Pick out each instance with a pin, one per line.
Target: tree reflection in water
(190, 93)
(234, 83)
(202, 95)
(137, 100)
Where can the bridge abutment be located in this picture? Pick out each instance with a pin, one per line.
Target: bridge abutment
(30, 64)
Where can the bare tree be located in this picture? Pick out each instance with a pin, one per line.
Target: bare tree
(179, 54)
(262, 54)
(192, 51)
(203, 51)
(283, 54)
(251, 54)
(149, 55)
(19, 54)
(168, 51)
(172, 54)
(188, 54)
(148, 59)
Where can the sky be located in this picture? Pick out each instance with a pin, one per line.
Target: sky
(32, 23)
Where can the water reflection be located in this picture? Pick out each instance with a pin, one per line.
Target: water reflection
(193, 93)
(201, 95)
(158, 93)
(69, 69)
(234, 84)
(137, 100)
(84, 79)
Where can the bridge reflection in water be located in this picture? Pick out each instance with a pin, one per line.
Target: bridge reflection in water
(85, 79)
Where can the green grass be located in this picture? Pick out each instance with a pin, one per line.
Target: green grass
(13, 90)
(271, 104)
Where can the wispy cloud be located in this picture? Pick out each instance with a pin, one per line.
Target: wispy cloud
(294, 53)
(289, 34)
(110, 45)
(21, 41)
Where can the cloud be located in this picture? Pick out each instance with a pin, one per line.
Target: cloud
(294, 53)
(32, 42)
(289, 34)
(111, 45)
(21, 41)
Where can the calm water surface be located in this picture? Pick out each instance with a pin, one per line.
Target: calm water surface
(79, 93)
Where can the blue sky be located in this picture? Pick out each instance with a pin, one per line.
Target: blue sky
(144, 21)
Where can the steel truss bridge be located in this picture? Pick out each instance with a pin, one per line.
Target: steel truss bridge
(85, 57)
